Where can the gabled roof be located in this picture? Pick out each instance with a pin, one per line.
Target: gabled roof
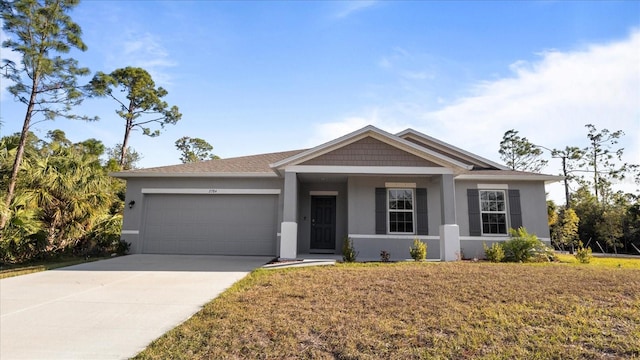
(373, 132)
(425, 149)
(244, 166)
(439, 146)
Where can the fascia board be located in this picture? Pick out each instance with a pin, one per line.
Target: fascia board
(140, 174)
(546, 178)
(368, 170)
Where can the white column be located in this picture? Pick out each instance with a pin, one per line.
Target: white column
(449, 231)
(289, 226)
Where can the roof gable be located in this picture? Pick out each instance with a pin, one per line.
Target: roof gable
(441, 147)
(369, 151)
(353, 150)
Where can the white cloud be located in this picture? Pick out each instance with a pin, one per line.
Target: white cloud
(548, 101)
(328, 131)
(350, 7)
(142, 50)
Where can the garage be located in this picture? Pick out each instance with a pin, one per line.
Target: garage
(211, 224)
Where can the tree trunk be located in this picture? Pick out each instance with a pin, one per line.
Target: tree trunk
(127, 131)
(595, 171)
(13, 180)
(123, 150)
(566, 183)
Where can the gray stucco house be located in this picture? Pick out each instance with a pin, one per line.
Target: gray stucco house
(381, 190)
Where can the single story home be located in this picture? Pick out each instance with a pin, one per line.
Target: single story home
(379, 189)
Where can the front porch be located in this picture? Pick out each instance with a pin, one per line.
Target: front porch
(321, 209)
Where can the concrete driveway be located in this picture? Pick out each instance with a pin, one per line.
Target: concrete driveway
(110, 309)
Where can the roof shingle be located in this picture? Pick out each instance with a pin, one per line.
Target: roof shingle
(243, 164)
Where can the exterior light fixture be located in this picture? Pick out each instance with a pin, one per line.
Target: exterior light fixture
(131, 203)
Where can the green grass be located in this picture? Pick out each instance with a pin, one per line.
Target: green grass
(459, 310)
(611, 262)
(7, 271)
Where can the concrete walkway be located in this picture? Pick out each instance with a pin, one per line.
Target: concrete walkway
(110, 309)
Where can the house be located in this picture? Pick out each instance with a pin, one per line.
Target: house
(379, 189)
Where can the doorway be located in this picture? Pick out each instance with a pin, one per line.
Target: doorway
(323, 224)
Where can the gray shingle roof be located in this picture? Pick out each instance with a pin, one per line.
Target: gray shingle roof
(242, 165)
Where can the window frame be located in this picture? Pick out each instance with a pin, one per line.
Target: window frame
(412, 211)
(505, 211)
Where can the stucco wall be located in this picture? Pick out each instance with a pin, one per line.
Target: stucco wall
(369, 248)
(532, 199)
(362, 201)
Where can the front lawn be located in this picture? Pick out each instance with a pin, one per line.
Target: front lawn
(456, 310)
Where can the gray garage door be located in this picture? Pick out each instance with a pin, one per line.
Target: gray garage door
(210, 224)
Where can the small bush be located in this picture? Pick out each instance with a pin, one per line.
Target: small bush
(122, 248)
(348, 252)
(418, 251)
(494, 253)
(583, 255)
(385, 256)
(525, 247)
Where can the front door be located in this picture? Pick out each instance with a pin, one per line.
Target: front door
(323, 223)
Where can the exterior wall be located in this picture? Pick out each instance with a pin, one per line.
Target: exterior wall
(532, 199)
(132, 222)
(533, 207)
(304, 213)
(362, 201)
(369, 248)
(369, 152)
(361, 222)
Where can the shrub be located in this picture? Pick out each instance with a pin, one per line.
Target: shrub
(583, 255)
(348, 252)
(525, 247)
(418, 251)
(385, 256)
(494, 253)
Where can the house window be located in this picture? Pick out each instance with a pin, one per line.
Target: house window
(400, 208)
(493, 209)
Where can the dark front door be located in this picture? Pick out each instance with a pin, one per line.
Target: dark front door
(323, 223)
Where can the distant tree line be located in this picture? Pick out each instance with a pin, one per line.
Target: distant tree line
(593, 215)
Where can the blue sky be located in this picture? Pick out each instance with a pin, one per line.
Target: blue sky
(254, 77)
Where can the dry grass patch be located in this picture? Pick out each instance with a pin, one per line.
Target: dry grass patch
(417, 310)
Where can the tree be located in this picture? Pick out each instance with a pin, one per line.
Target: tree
(600, 160)
(570, 155)
(64, 199)
(569, 228)
(519, 153)
(71, 189)
(114, 155)
(44, 81)
(142, 105)
(194, 149)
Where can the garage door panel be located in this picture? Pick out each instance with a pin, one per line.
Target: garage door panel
(210, 224)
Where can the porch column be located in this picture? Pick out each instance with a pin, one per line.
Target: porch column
(449, 231)
(289, 226)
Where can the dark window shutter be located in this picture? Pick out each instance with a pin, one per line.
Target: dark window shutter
(515, 212)
(381, 210)
(473, 203)
(422, 226)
